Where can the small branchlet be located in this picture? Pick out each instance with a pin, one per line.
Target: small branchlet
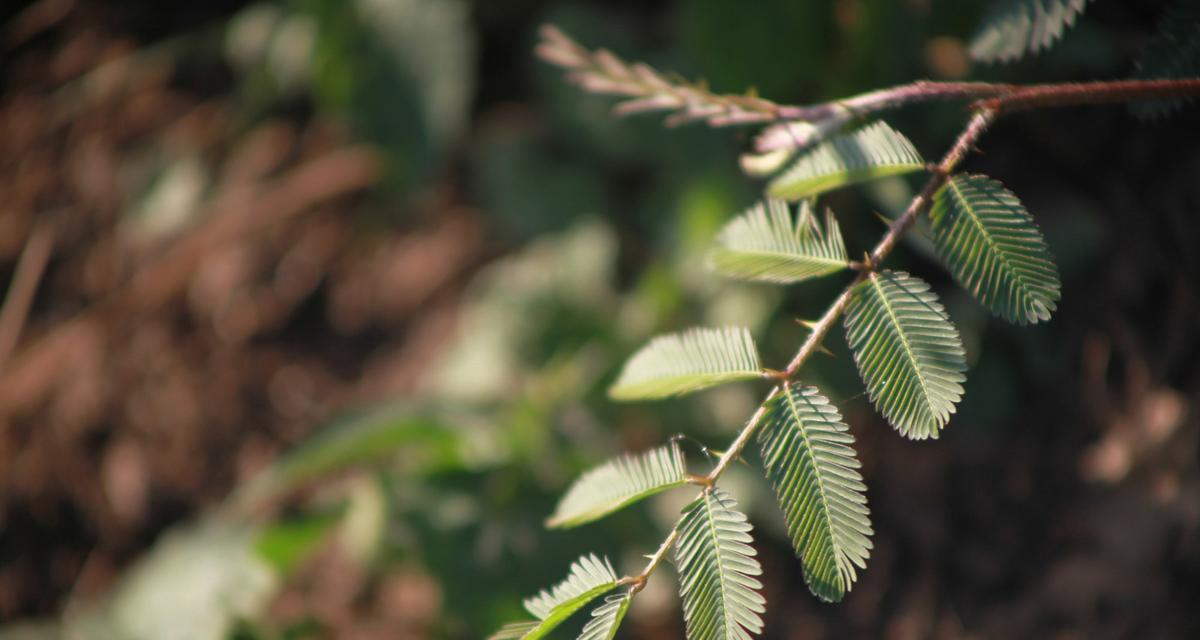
(648, 90)
(896, 329)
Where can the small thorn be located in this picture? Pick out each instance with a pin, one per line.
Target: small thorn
(808, 324)
(882, 218)
(823, 349)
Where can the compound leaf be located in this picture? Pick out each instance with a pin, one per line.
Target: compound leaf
(619, 483)
(808, 455)
(717, 570)
(1015, 27)
(994, 249)
(766, 244)
(589, 578)
(873, 152)
(907, 351)
(680, 363)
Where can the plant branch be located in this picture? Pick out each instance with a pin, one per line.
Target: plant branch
(1085, 93)
(797, 127)
(601, 71)
(639, 581)
(920, 203)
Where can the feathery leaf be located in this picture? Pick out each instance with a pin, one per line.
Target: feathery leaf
(994, 249)
(765, 244)
(717, 570)
(589, 578)
(808, 455)
(619, 483)
(873, 152)
(907, 351)
(680, 363)
(1173, 53)
(606, 618)
(1013, 28)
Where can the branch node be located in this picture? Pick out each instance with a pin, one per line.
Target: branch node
(703, 481)
(775, 374)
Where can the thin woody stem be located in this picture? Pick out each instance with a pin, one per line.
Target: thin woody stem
(600, 71)
(974, 129)
(989, 102)
(1083, 93)
(639, 581)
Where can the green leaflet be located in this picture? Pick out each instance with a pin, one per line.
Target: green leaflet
(680, 363)
(619, 483)
(907, 351)
(994, 249)
(606, 618)
(717, 570)
(808, 456)
(1015, 27)
(589, 578)
(765, 244)
(873, 152)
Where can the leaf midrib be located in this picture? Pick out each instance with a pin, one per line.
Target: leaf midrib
(712, 529)
(622, 501)
(826, 512)
(908, 350)
(836, 262)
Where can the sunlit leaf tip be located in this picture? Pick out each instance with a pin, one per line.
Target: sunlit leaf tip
(619, 483)
(766, 244)
(680, 363)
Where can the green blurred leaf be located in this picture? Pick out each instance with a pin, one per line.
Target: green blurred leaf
(401, 71)
(283, 545)
(353, 442)
(1015, 27)
(196, 582)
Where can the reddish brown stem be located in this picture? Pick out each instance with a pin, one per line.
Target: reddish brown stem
(1073, 94)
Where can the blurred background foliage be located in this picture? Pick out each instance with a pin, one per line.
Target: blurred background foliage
(329, 292)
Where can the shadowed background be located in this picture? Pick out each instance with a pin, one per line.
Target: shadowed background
(310, 308)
